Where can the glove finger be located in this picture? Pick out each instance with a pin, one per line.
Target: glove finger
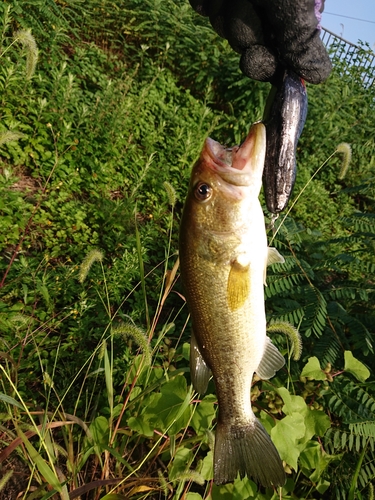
(235, 20)
(313, 64)
(297, 40)
(239, 23)
(259, 63)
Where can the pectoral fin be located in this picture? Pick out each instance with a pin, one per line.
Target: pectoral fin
(199, 371)
(238, 287)
(273, 257)
(271, 362)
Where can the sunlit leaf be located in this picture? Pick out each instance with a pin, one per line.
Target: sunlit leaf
(313, 370)
(285, 435)
(355, 367)
(204, 414)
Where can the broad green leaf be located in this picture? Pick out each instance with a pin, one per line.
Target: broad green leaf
(312, 370)
(10, 400)
(207, 466)
(314, 461)
(355, 367)
(185, 406)
(142, 423)
(142, 373)
(291, 403)
(204, 414)
(173, 410)
(181, 462)
(244, 488)
(267, 420)
(186, 351)
(42, 466)
(224, 492)
(136, 391)
(322, 486)
(193, 496)
(285, 435)
(44, 291)
(141, 426)
(311, 455)
(317, 422)
(100, 431)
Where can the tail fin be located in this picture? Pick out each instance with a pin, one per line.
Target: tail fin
(247, 450)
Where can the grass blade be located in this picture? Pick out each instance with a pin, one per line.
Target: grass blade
(44, 469)
(10, 400)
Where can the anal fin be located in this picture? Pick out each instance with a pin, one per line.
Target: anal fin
(199, 371)
(271, 362)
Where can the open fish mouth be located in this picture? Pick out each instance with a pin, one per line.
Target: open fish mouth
(240, 165)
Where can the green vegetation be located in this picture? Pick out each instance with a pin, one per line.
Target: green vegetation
(100, 122)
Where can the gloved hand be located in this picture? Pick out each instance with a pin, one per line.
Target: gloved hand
(271, 35)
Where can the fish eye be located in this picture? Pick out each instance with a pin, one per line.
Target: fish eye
(202, 191)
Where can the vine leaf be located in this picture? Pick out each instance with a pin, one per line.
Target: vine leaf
(355, 367)
(317, 423)
(291, 403)
(285, 436)
(312, 370)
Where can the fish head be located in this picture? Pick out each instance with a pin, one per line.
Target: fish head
(226, 182)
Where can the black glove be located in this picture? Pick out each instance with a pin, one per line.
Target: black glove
(271, 35)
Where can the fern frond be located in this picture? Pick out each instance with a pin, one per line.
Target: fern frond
(365, 429)
(328, 349)
(315, 312)
(7, 19)
(363, 223)
(352, 402)
(278, 284)
(367, 472)
(347, 290)
(366, 188)
(45, 16)
(289, 311)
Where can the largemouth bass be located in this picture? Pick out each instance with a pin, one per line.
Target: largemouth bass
(223, 258)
